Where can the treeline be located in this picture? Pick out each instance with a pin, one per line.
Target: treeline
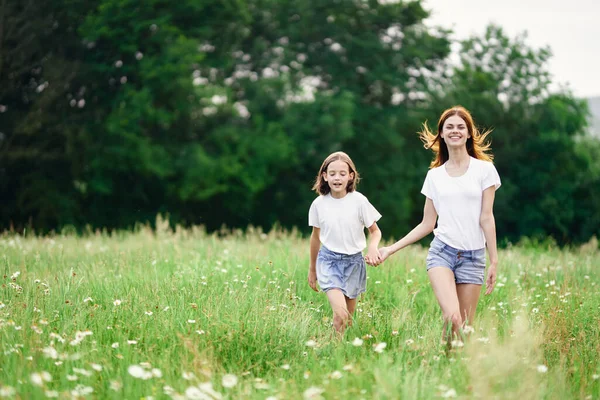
(220, 113)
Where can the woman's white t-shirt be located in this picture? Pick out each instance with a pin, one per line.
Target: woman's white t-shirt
(458, 201)
(343, 221)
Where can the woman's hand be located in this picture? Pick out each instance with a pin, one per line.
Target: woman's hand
(490, 283)
(384, 253)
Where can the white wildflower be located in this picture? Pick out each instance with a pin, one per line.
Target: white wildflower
(448, 393)
(229, 380)
(468, 329)
(313, 393)
(83, 372)
(207, 388)
(96, 367)
(379, 347)
(38, 378)
(50, 352)
(137, 371)
(193, 393)
(542, 369)
(7, 391)
(336, 375)
(188, 376)
(81, 391)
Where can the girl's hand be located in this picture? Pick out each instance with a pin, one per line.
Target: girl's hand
(312, 279)
(373, 257)
(491, 279)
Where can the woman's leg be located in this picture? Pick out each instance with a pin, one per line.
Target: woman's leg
(468, 297)
(444, 287)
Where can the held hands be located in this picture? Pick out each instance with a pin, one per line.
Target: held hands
(373, 257)
(490, 282)
(378, 256)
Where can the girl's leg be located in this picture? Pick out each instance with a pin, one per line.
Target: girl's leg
(341, 315)
(351, 306)
(468, 296)
(444, 287)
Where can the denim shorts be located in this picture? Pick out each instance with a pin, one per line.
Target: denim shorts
(346, 272)
(468, 265)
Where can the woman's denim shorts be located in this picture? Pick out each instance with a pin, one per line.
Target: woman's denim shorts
(346, 272)
(468, 265)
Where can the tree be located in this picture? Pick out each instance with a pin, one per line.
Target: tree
(366, 65)
(36, 179)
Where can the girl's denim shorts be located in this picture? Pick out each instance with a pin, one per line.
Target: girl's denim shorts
(346, 272)
(468, 265)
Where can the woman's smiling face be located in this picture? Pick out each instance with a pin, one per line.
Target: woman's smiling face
(455, 132)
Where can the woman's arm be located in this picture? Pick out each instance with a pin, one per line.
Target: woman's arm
(372, 256)
(315, 244)
(420, 231)
(488, 224)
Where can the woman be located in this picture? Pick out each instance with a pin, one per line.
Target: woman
(459, 188)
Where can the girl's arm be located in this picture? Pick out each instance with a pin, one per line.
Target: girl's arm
(373, 256)
(419, 232)
(315, 244)
(488, 224)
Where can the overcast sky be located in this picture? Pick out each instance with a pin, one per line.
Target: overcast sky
(570, 28)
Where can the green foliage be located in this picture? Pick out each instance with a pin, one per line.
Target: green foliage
(220, 113)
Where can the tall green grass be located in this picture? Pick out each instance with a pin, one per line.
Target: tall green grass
(232, 316)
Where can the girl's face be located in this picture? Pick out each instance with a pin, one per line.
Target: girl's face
(337, 177)
(455, 132)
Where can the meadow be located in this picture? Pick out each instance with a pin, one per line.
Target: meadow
(182, 314)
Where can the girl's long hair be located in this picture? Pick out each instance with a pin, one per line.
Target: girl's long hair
(477, 146)
(322, 187)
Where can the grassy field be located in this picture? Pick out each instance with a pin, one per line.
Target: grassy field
(156, 314)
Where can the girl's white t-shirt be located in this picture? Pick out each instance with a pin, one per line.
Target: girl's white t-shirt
(458, 201)
(343, 221)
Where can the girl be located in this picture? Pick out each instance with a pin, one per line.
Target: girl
(459, 188)
(338, 217)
